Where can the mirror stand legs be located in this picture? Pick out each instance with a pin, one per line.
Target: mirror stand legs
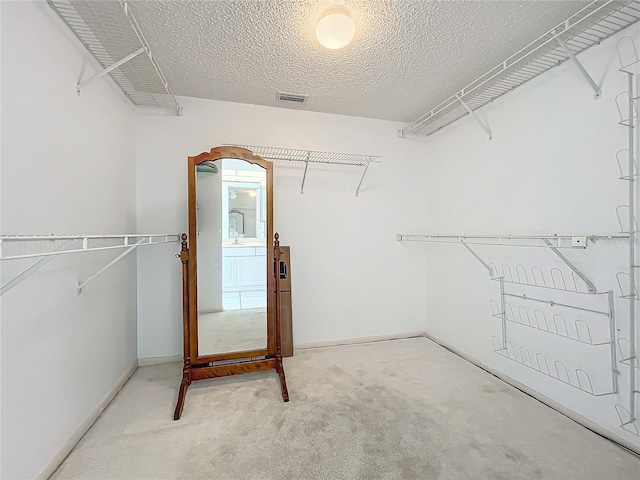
(203, 372)
(182, 393)
(283, 380)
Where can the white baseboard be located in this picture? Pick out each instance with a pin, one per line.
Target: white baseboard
(354, 341)
(576, 417)
(146, 361)
(59, 457)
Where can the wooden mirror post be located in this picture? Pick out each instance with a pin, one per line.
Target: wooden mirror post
(211, 365)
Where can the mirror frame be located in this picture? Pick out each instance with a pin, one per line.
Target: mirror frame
(236, 153)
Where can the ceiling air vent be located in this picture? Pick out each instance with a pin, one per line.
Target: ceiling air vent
(292, 97)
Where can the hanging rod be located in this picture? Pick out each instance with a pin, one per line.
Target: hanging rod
(595, 22)
(47, 247)
(307, 157)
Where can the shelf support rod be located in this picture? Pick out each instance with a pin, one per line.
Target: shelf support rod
(86, 82)
(503, 317)
(583, 71)
(590, 286)
(612, 335)
(632, 250)
(35, 267)
(464, 244)
(475, 117)
(366, 167)
(112, 262)
(304, 175)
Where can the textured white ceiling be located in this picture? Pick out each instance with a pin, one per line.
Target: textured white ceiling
(406, 57)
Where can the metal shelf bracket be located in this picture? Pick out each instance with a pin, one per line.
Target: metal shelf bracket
(475, 117)
(109, 265)
(304, 175)
(366, 167)
(35, 267)
(479, 258)
(590, 286)
(596, 88)
(119, 63)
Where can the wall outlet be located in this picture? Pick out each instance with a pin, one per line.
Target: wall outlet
(580, 242)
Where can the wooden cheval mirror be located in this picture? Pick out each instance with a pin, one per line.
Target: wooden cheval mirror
(230, 270)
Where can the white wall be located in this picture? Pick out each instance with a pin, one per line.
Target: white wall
(350, 277)
(67, 168)
(209, 221)
(551, 168)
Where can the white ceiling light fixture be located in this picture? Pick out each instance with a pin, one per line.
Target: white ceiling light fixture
(335, 28)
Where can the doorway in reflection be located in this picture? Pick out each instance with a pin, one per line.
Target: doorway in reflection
(232, 256)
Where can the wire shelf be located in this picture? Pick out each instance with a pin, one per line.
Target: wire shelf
(111, 33)
(47, 247)
(14, 247)
(594, 23)
(310, 157)
(284, 155)
(559, 371)
(539, 241)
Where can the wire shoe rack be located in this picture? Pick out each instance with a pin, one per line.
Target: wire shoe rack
(626, 103)
(536, 277)
(557, 370)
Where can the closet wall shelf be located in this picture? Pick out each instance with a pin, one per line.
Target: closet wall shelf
(552, 242)
(555, 241)
(48, 247)
(111, 33)
(595, 22)
(310, 157)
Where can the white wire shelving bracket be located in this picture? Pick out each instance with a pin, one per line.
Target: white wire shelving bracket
(111, 33)
(626, 102)
(48, 247)
(595, 22)
(310, 157)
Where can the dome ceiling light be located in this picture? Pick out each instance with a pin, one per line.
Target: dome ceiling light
(335, 28)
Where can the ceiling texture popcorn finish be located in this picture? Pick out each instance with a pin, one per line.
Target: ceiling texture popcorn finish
(406, 56)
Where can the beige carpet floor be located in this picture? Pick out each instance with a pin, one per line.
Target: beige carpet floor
(232, 331)
(404, 409)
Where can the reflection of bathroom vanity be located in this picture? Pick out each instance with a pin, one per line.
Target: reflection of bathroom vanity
(243, 278)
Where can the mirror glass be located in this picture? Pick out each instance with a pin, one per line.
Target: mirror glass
(231, 224)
